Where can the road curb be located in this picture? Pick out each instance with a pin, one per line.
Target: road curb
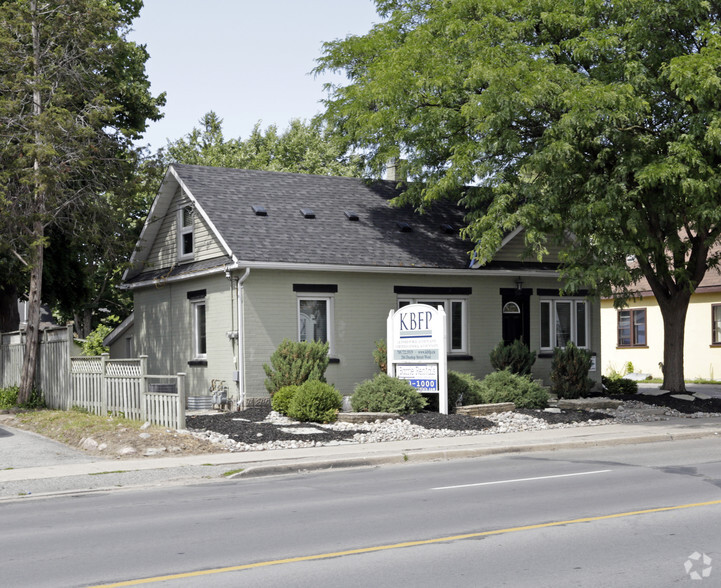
(420, 456)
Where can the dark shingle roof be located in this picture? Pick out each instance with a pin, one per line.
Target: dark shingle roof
(285, 235)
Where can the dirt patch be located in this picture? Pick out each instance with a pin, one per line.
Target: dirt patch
(110, 437)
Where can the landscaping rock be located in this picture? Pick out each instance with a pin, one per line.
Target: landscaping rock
(588, 403)
(365, 417)
(485, 409)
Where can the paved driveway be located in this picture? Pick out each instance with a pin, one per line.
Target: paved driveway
(22, 449)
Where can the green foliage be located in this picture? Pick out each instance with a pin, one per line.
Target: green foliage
(504, 386)
(464, 387)
(515, 357)
(293, 362)
(628, 368)
(380, 355)
(8, 397)
(599, 120)
(281, 399)
(569, 371)
(386, 394)
(315, 402)
(93, 344)
(619, 386)
(302, 148)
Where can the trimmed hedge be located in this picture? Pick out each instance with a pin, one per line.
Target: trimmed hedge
(281, 399)
(386, 394)
(505, 386)
(315, 402)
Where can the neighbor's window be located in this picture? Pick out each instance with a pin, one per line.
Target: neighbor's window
(315, 315)
(456, 328)
(632, 327)
(564, 320)
(200, 348)
(185, 232)
(716, 324)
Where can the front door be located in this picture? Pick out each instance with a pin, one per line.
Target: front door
(515, 315)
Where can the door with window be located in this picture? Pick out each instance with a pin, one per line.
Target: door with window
(515, 315)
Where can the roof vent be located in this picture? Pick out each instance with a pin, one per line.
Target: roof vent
(448, 229)
(307, 212)
(351, 216)
(404, 227)
(260, 210)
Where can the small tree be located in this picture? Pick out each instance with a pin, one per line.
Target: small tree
(569, 371)
(293, 363)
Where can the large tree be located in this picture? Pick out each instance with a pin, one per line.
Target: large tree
(594, 123)
(304, 147)
(73, 95)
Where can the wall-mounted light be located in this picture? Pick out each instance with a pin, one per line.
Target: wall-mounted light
(519, 284)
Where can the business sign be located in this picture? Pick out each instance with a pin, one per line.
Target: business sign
(422, 376)
(417, 349)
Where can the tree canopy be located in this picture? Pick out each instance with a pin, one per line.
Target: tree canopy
(73, 95)
(589, 122)
(304, 147)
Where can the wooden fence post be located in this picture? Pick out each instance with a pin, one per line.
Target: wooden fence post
(181, 400)
(143, 386)
(104, 385)
(69, 368)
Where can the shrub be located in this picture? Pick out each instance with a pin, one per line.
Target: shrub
(93, 344)
(294, 362)
(619, 386)
(386, 394)
(380, 355)
(464, 387)
(569, 372)
(515, 357)
(316, 402)
(505, 386)
(8, 397)
(281, 399)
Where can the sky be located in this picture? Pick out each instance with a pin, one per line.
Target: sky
(247, 60)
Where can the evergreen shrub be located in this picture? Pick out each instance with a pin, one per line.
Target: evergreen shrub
(619, 386)
(315, 402)
(463, 386)
(386, 394)
(569, 371)
(505, 386)
(293, 363)
(515, 357)
(281, 399)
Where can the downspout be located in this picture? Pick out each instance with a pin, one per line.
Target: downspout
(240, 360)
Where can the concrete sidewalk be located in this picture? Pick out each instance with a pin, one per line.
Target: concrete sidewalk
(73, 471)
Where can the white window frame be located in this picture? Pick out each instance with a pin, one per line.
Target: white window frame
(550, 306)
(196, 305)
(184, 230)
(447, 307)
(330, 318)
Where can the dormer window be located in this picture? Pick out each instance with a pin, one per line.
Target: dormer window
(185, 233)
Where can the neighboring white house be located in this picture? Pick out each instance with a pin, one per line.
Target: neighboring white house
(230, 262)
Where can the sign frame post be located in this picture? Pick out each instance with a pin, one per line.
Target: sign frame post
(416, 343)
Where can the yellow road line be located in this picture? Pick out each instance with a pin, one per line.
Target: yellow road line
(361, 550)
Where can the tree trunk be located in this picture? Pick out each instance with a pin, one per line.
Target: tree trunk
(674, 322)
(32, 333)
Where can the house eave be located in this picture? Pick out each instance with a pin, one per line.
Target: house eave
(308, 267)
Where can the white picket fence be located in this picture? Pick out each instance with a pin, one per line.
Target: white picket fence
(96, 384)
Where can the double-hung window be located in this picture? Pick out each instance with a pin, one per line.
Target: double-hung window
(456, 320)
(631, 328)
(564, 320)
(315, 317)
(185, 233)
(716, 324)
(197, 316)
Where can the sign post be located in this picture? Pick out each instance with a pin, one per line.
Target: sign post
(416, 336)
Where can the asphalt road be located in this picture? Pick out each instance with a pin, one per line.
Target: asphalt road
(631, 516)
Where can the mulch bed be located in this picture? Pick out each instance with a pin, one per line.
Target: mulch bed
(247, 427)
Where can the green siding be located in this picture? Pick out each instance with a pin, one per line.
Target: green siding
(515, 250)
